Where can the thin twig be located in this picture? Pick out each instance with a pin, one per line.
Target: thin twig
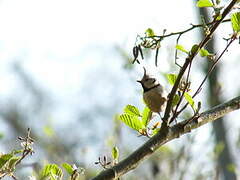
(156, 57)
(187, 30)
(207, 75)
(212, 67)
(175, 114)
(176, 56)
(215, 24)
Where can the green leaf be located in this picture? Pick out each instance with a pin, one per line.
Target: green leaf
(219, 17)
(190, 100)
(155, 131)
(203, 52)
(171, 78)
(115, 153)
(194, 49)
(51, 171)
(181, 48)
(68, 168)
(12, 161)
(176, 99)
(48, 130)
(4, 159)
(14, 152)
(149, 32)
(132, 110)
(146, 116)
(132, 121)
(218, 2)
(204, 3)
(235, 19)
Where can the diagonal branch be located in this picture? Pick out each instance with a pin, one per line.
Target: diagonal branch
(190, 58)
(184, 127)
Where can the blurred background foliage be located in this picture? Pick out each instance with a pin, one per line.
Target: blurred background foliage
(69, 95)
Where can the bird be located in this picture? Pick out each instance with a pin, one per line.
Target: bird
(154, 94)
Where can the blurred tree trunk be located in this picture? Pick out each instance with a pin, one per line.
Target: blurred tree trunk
(224, 159)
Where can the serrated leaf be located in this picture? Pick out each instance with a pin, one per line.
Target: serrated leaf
(203, 52)
(146, 116)
(132, 110)
(131, 121)
(176, 99)
(68, 168)
(171, 78)
(204, 3)
(149, 32)
(51, 171)
(115, 153)
(190, 100)
(235, 19)
(181, 48)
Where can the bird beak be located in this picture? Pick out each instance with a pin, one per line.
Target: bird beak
(139, 81)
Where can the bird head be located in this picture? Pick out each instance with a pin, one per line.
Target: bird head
(147, 81)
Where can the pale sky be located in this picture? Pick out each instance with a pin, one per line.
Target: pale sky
(61, 42)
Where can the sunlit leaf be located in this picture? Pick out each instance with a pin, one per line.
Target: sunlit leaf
(204, 3)
(149, 32)
(132, 110)
(132, 121)
(176, 99)
(235, 19)
(146, 116)
(68, 168)
(155, 131)
(4, 159)
(171, 78)
(190, 100)
(219, 17)
(51, 171)
(181, 48)
(115, 153)
(203, 52)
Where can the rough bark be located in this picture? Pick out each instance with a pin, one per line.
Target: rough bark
(184, 127)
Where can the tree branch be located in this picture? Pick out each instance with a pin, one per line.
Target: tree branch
(190, 58)
(184, 127)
